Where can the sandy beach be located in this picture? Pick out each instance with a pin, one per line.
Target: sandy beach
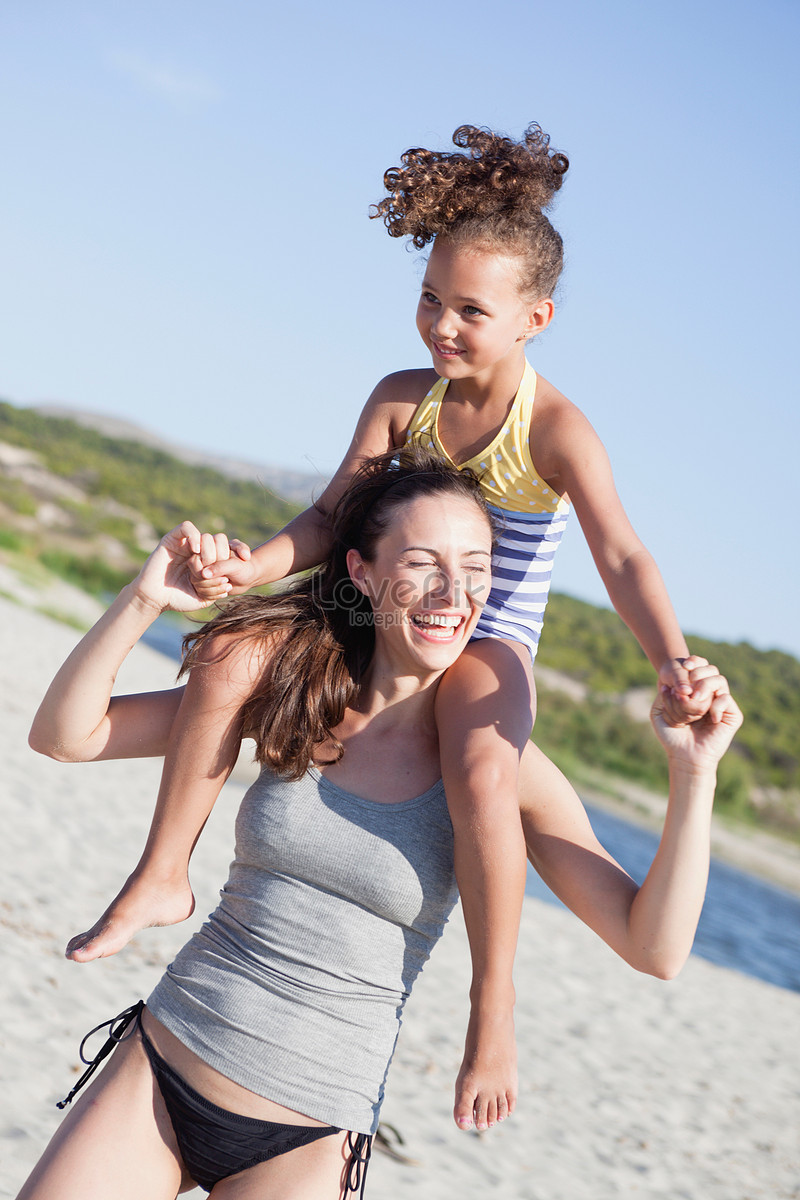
(630, 1087)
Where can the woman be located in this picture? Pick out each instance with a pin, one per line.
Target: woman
(257, 1067)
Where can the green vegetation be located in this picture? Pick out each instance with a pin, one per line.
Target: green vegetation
(594, 646)
(121, 497)
(161, 488)
(595, 735)
(92, 574)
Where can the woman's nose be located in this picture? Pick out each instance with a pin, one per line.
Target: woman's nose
(449, 587)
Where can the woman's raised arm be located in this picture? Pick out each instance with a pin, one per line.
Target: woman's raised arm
(653, 926)
(78, 721)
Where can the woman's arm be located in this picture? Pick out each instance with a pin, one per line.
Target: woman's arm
(203, 746)
(653, 926)
(78, 721)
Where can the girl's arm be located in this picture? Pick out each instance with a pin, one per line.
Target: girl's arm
(653, 926)
(78, 720)
(579, 466)
(574, 462)
(305, 541)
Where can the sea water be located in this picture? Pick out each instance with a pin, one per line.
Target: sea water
(746, 924)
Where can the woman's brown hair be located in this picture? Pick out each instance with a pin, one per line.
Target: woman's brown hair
(320, 631)
(490, 194)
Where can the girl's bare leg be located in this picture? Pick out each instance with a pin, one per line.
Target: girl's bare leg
(116, 1140)
(202, 750)
(484, 712)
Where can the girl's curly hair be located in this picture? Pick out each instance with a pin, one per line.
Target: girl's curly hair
(491, 197)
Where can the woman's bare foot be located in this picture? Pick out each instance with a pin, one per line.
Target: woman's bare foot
(141, 904)
(486, 1088)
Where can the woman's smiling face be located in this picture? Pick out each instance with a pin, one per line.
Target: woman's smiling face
(427, 582)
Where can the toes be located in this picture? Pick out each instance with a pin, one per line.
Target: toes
(81, 948)
(463, 1111)
(480, 1112)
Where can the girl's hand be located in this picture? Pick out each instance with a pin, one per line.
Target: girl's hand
(166, 581)
(221, 568)
(698, 741)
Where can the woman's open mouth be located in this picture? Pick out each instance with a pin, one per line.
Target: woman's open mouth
(439, 627)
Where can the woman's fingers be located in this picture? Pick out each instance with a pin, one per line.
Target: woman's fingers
(214, 547)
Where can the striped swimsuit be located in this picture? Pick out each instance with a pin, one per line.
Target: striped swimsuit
(530, 516)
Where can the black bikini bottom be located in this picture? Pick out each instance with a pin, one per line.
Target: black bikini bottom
(215, 1143)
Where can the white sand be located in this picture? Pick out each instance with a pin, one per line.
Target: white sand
(631, 1087)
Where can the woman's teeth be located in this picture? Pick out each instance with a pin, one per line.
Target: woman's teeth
(445, 626)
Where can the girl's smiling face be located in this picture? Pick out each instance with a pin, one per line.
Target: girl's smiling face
(471, 315)
(427, 582)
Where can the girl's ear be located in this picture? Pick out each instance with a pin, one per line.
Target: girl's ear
(357, 569)
(539, 318)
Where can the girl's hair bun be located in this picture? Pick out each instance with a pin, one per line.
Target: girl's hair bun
(489, 176)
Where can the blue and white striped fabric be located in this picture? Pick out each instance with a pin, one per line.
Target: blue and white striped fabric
(531, 517)
(522, 567)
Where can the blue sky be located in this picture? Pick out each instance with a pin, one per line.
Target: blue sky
(184, 240)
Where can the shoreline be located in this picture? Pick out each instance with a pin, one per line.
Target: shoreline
(773, 860)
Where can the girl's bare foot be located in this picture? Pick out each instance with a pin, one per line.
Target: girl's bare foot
(141, 904)
(486, 1088)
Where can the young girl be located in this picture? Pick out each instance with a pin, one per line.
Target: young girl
(486, 293)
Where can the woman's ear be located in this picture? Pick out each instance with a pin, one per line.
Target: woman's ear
(539, 318)
(357, 569)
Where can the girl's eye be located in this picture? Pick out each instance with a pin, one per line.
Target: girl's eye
(429, 298)
(472, 311)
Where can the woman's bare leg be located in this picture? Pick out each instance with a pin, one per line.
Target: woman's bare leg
(116, 1141)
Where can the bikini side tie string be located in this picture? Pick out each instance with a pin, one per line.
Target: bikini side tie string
(360, 1148)
(119, 1028)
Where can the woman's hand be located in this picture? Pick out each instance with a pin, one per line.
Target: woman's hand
(698, 741)
(167, 579)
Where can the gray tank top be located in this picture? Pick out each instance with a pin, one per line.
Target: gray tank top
(295, 986)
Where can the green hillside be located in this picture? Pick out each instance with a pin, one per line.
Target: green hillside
(120, 497)
(89, 508)
(759, 778)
